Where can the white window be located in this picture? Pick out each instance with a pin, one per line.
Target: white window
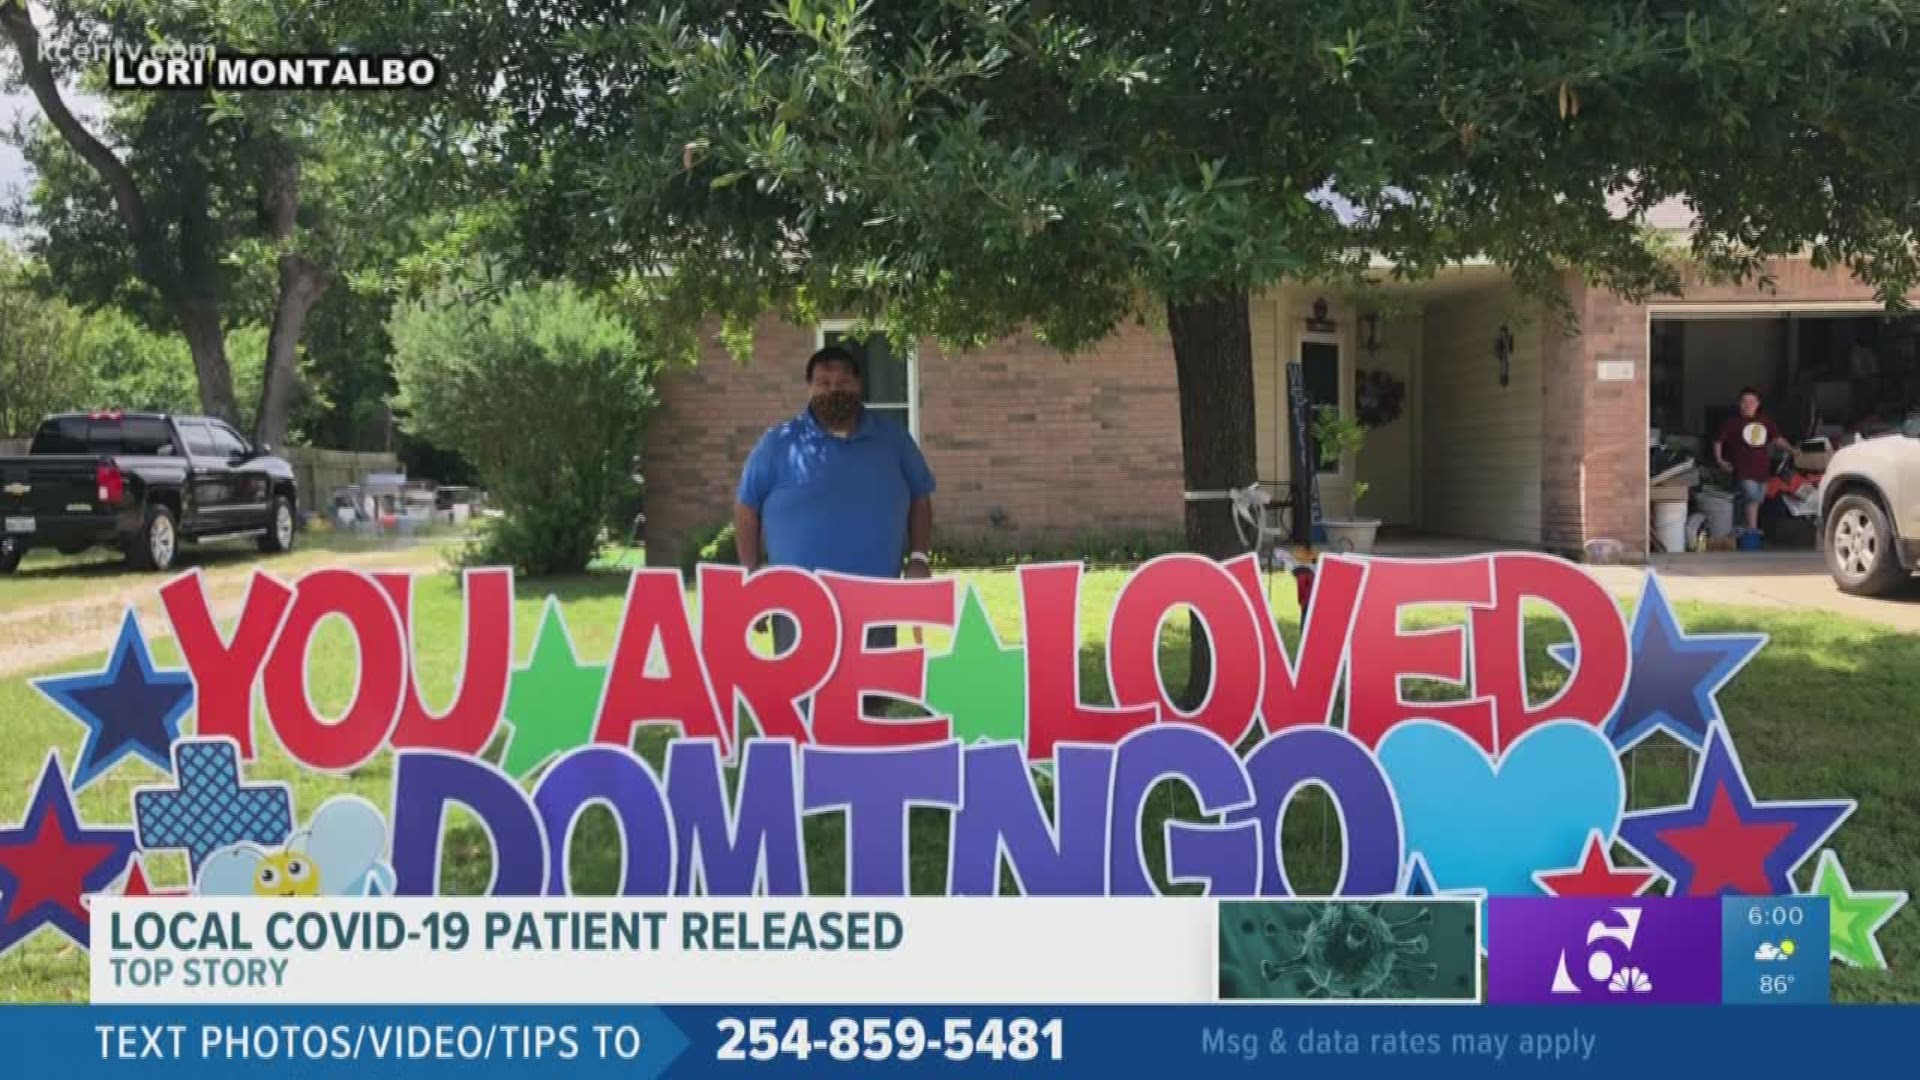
(891, 379)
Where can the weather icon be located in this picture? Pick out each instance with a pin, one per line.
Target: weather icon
(1769, 951)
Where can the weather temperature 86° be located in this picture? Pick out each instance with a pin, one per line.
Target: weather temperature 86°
(1775, 915)
(890, 1038)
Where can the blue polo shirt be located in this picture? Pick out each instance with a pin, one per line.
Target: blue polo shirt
(832, 503)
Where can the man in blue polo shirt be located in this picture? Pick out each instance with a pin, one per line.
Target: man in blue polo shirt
(838, 487)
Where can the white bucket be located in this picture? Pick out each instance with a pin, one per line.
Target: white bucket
(1670, 525)
(1718, 506)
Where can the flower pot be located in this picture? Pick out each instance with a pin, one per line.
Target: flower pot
(1350, 535)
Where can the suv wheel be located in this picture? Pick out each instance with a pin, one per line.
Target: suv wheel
(279, 534)
(157, 542)
(1859, 545)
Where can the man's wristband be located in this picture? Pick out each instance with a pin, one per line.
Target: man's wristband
(921, 557)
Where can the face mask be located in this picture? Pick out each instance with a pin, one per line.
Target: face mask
(837, 408)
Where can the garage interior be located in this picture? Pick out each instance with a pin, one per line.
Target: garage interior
(1823, 377)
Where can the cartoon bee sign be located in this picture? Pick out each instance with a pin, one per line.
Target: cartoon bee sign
(342, 853)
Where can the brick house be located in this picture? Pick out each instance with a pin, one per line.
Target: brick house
(1030, 446)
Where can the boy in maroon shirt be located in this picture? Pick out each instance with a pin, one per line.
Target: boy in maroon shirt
(1743, 448)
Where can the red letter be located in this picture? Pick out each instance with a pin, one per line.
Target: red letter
(486, 659)
(838, 719)
(1050, 607)
(657, 611)
(1594, 687)
(1381, 654)
(224, 672)
(1148, 598)
(355, 737)
(1303, 693)
(769, 687)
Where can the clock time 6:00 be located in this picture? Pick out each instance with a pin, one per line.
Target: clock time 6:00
(1775, 915)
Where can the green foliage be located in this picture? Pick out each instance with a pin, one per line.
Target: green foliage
(55, 357)
(137, 367)
(1113, 549)
(964, 169)
(197, 241)
(37, 338)
(345, 365)
(711, 544)
(545, 391)
(1338, 435)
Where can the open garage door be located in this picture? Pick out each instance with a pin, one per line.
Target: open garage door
(1822, 378)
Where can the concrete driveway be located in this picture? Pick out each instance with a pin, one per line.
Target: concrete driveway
(1788, 579)
(1785, 579)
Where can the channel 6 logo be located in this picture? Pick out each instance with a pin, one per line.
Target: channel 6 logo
(1555, 950)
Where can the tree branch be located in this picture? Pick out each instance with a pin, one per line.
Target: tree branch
(18, 26)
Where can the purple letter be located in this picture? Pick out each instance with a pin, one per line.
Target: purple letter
(1225, 856)
(875, 788)
(1002, 809)
(618, 778)
(424, 782)
(757, 850)
(1370, 820)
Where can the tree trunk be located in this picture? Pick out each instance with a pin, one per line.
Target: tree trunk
(301, 286)
(195, 287)
(200, 322)
(1213, 358)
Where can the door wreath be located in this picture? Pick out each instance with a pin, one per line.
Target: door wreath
(1378, 398)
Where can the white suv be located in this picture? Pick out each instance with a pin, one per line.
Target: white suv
(1870, 512)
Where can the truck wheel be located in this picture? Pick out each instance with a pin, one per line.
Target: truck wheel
(1859, 545)
(11, 552)
(157, 542)
(279, 534)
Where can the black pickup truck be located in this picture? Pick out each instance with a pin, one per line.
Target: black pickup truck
(143, 483)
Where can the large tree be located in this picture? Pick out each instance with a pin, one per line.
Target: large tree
(965, 169)
(197, 210)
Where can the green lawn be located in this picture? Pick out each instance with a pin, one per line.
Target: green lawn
(46, 576)
(1821, 713)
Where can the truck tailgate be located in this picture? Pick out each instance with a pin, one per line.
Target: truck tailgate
(48, 486)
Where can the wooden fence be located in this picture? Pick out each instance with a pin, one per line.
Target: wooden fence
(319, 472)
(14, 447)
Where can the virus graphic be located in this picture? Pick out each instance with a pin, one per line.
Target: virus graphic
(1344, 949)
(1353, 950)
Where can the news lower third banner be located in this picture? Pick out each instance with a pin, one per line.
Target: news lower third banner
(638, 988)
(178, 951)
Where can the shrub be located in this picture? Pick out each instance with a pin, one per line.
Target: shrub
(712, 544)
(1113, 549)
(545, 391)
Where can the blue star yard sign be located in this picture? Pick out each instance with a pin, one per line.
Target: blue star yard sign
(1675, 675)
(127, 707)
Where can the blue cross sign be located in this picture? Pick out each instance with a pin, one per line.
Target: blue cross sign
(210, 808)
